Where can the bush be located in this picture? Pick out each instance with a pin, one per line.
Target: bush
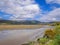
(49, 33)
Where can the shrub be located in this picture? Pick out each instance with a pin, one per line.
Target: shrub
(49, 33)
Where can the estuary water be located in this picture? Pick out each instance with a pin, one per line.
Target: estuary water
(18, 37)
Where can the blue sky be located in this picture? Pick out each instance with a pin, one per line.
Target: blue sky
(42, 10)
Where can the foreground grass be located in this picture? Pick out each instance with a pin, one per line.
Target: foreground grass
(8, 27)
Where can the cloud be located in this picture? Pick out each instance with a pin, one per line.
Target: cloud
(53, 1)
(53, 15)
(20, 9)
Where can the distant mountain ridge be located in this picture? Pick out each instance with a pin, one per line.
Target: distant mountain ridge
(19, 22)
(27, 22)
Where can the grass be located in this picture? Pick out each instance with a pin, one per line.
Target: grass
(8, 27)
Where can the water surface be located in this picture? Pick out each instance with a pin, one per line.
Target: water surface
(18, 37)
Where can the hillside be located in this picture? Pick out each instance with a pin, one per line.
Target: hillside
(19, 22)
(27, 22)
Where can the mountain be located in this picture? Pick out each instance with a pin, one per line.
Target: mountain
(19, 22)
(27, 22)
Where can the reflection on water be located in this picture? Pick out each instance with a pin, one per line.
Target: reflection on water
(17, 37)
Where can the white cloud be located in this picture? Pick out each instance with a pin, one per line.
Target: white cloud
(53, 15)
(53, 1)
(20, 9)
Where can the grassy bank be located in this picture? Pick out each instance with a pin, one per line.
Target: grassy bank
(9, 27)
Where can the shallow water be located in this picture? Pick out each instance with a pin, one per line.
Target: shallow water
(18, 37)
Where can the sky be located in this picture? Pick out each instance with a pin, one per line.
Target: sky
(41, 10)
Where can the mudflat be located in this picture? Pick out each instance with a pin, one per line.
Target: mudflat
(9, 27)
